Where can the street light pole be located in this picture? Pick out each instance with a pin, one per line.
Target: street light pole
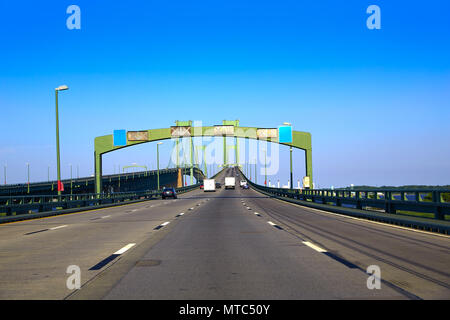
(28, 179)
(70, 179)
(292, 181)
(157, 161)
(5, 172)
(265, 166)
(60, 88)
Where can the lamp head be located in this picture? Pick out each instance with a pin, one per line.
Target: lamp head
(62, 88)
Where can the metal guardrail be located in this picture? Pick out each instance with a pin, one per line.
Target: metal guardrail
(23, 205)
(390, 201)
(365, 203)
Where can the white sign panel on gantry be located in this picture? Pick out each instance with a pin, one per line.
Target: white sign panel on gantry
(180, 131)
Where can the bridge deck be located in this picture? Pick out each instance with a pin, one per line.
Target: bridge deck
(232, 244)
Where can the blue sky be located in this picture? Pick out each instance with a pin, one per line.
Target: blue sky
(375, 101)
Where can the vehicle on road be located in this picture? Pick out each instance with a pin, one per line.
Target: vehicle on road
(209, 185)
(242, 183)
(218, 185)
(245, 186)
(230, 182)
(169, 193)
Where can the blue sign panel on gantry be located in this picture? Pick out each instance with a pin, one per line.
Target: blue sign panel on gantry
(120, 138)
(285, 134)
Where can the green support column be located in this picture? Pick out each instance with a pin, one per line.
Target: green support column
(204, 161)
(224, 151)
(98, 172)
(308, 165)
(178, 151)
(237, 150)
(205, 166)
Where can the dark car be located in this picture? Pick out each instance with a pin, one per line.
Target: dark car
(218, 185)
(245, 186)
(169, 192)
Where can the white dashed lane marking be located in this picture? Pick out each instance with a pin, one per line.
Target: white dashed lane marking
(313, 246)
(59, 227)
(274, 225)
(124, 249)
(161, 225)
(112, 257)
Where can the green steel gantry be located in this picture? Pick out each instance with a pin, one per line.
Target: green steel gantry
(184, 129)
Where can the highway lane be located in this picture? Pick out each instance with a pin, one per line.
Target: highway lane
(35, 254)
(233, 244)
(411, 260)
(226, 251)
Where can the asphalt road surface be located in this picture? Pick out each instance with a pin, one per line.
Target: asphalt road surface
(228, 244)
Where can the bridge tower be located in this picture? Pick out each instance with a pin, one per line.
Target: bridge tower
(234, 123)
(191, 145)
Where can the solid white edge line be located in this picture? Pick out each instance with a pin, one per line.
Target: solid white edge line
(126, 248)
(313, 246)
(59, 227)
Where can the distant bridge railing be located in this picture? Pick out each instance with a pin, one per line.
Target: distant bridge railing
(49, 187)
(427, 209)
(22, 206)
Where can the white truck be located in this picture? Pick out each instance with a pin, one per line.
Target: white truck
(209, 185)
(230, 182)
